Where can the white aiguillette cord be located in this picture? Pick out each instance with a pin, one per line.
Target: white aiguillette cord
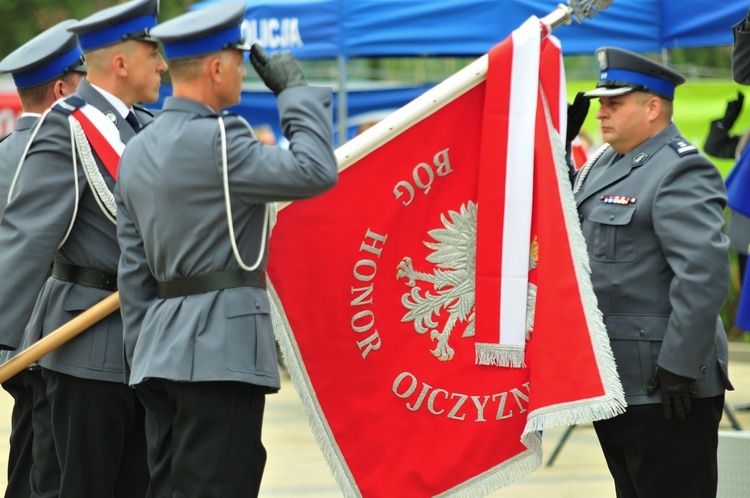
(230, 223)
(75, 172)
(587, 167)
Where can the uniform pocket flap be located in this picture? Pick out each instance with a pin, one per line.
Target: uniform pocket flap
(637, 327)
(82, 297)
(246, 301)
(612, 214)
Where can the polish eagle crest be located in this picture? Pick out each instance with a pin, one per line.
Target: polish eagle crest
(453, 281)
(454, 254)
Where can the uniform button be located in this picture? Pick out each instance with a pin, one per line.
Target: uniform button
(704, 370)
(257, 305)
(642, 332)
(327, 103)
(611, 216)
(580, 218)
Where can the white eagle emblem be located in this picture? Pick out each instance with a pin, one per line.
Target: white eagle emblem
(454, 253)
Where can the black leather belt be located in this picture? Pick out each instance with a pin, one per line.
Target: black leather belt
(85, 276)
(217, 280)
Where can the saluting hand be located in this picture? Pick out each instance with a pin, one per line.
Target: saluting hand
(577, 112)
(278, 72)
(734, 108)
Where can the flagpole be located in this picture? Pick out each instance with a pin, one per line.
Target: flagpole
(60, 336)
(444, 93)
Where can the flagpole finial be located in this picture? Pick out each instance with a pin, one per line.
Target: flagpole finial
(581, 9)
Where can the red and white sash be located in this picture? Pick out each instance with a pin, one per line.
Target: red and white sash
(103, 136)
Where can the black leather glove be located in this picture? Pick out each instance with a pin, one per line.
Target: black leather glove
(577, 112)
(734, 108)
(677, 392)
(278, 72)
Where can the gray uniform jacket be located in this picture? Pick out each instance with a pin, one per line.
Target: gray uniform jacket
(172, 223)
(11, 149)
(741, 54)
(659, 265)
(33, 226)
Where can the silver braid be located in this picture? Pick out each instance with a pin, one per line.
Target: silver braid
(587, 167)
(102, 194)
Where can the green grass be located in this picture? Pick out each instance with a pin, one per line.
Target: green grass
(697, 103)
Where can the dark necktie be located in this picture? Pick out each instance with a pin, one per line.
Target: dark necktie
(130, 118)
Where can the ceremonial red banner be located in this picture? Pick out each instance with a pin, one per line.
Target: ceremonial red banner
(373, 287)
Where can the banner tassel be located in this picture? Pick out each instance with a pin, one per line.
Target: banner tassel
(300, 380)
(613, 402)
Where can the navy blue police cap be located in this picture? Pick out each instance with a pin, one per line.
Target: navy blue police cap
(204, 31)
(128, 21)
(46, 57)
(621, 72)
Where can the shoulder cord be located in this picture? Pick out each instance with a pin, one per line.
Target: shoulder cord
(587, 167)
(104, 197)
(230, 223)
(75, 173)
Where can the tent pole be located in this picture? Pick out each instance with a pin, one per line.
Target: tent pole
(343, 104)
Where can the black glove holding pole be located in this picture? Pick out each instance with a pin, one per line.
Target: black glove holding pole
(734, 108)
(677, 392)
(278, 72)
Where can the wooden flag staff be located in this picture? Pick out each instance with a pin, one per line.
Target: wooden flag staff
(60, 336)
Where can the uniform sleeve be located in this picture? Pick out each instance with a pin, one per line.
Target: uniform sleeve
(34, 224)
(688, 220)
(260, 173)
(135, 282)
(741, 54)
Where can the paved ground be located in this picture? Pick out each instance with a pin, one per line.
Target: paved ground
(296, 468)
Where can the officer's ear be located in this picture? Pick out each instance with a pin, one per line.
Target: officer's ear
(654, 107)
(214, 67)
(59, 89)
(120, 65)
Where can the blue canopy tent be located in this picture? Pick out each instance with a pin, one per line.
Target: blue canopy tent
(341, 29)
(319, 29)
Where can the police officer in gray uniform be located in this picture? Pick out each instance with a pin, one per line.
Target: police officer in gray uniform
(44, 69)
(193, 201)
(651, 211)
(61, 211)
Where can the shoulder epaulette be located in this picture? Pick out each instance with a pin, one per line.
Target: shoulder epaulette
(683, 147)
(143, 109)
(68, 105)
(241, 119)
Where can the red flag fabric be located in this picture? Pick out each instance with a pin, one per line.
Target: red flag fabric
(373, 290)
(579, 153)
